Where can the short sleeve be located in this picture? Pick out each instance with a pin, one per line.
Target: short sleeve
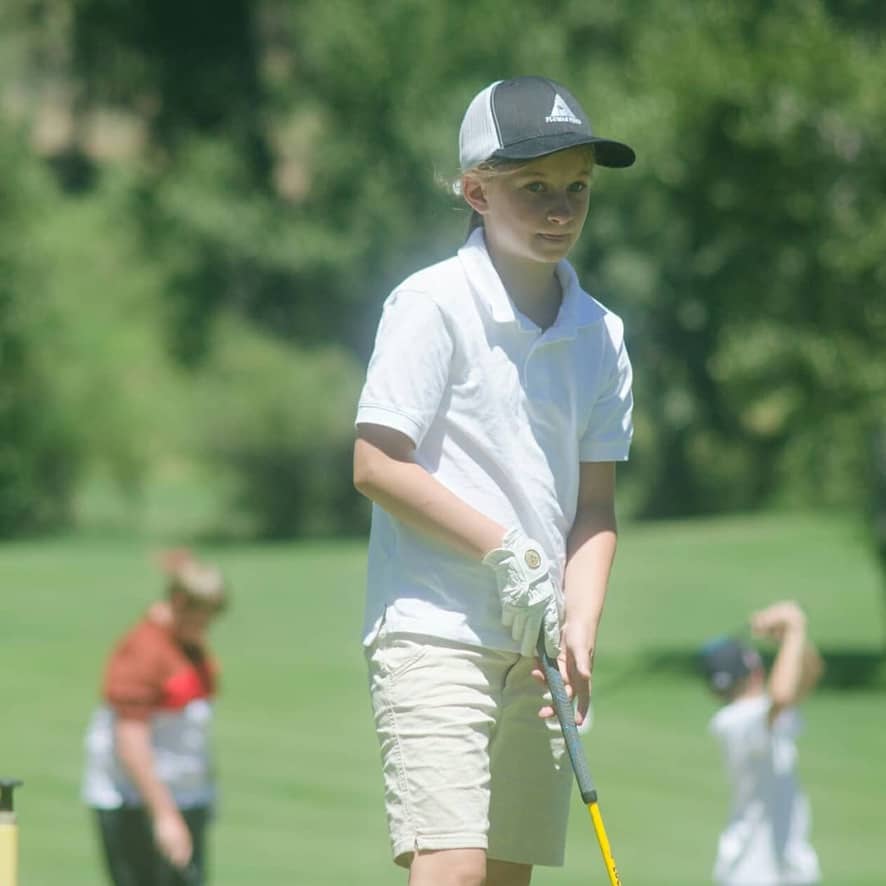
(133, 685)
(610, 428)
(409, 368)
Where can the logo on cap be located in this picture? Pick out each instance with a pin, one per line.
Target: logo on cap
(561, 112)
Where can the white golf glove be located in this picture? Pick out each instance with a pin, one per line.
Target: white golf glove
(528, 597)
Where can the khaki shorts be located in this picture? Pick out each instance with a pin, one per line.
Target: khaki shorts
(467, 761)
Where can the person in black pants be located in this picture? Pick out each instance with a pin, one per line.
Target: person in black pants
(149, 776)
(131, 856)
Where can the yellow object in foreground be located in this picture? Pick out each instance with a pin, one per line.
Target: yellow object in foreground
(603, 840)
(8, 849)
(8, 834)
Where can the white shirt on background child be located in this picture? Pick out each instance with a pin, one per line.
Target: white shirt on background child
(766, 842)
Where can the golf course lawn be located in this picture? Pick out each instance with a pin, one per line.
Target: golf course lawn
(301, 785)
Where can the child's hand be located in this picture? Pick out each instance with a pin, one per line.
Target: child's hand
(575, 663)
(173, 839)
(773, 621)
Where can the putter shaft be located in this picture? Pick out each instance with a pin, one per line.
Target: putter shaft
(563, 707)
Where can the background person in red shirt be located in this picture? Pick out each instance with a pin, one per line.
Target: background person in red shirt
(149, 774)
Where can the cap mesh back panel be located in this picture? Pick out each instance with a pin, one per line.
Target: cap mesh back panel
(478, 138)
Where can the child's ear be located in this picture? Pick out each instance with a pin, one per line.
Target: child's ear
(474, 192)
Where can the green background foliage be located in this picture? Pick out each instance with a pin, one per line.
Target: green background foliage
(40, 447)
(279, 167)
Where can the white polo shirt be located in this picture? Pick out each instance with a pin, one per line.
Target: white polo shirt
(766, 842)
(502, 413)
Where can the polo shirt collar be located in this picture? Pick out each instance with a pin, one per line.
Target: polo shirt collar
(484, 279)
(577, 308)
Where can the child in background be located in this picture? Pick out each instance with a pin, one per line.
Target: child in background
(766, 842)
(496, 406)
(149, 776)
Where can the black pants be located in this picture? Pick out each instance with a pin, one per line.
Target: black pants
(130, 854)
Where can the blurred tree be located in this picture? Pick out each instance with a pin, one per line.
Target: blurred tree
(878, 503)
(39, 445)
(187, 68)
(192, 72)
(291, 160)
(286, 446)
(756, 215)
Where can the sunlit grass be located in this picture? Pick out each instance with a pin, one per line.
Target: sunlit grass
(302, 800)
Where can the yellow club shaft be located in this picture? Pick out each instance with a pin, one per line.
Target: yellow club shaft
(603, 840)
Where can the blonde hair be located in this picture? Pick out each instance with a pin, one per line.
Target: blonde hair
(199, 581)
(485, 171)
(493, 167)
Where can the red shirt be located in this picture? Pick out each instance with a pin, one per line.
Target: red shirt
(150, 671)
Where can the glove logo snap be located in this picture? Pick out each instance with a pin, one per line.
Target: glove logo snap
(532, 558)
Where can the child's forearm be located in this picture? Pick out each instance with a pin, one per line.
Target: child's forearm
(133, 741)
(813, 667)
(590, 554)
(786, 678)
(409, 493)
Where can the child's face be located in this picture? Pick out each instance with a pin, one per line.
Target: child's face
(191, 617)
(537, 212)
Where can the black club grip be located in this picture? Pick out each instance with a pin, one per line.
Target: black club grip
(563, 707)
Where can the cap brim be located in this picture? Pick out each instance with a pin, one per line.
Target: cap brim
(606, 152)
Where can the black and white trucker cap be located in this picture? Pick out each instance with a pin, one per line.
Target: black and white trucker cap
(528, 117)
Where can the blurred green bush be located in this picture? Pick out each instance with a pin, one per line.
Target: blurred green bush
(40, 444)
(279, 421)
(224, 223)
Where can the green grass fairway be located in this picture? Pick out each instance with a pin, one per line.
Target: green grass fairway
(301, 784)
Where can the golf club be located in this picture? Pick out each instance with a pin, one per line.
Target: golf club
(563, 707)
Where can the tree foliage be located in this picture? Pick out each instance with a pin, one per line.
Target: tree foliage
(39, 444)
(286, 164)
(760, 339)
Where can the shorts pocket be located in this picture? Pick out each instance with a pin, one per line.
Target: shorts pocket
(398, 654)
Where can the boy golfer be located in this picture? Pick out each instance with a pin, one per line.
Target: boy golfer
(497, 403)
